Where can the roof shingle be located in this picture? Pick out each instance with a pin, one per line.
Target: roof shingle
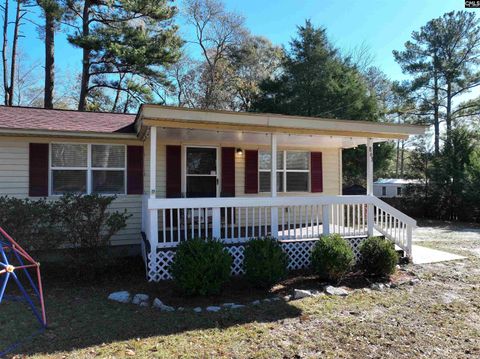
(30, 118)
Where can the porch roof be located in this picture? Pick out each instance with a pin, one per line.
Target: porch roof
(357, 131)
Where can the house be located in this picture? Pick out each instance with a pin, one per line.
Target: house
(184, 173)
(392, 187)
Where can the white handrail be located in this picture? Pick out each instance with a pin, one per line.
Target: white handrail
(239, 218)
(190, 203)
(394, 212)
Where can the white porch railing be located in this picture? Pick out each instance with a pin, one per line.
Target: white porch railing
(236, 219)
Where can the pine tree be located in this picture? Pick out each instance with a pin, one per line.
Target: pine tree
(134, 37)
(317, 81)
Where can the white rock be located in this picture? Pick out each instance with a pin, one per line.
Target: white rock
(213, 308)
(266, 300)
(331, 290)
(139, 299)
(158, 304)
(122, 297)
(378, 286)
(144, 304)
(256, 302)
(228, 304)
(180, 309)
(301, 293)
(197, 310)
(287, 298)
(237, 306)
(275, 299)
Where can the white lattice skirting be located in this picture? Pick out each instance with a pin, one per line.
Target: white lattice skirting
(298, 257)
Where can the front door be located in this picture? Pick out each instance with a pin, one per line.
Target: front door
(201, 172)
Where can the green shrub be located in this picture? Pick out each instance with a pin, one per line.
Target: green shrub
(378, 256)
(201, 266)
(31, 223)
(332, 257)
(80, 225)
(265, 262)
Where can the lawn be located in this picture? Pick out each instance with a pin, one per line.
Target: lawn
(439, 317)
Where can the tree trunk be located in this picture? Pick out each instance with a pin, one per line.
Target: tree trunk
(398, 160)
(49, 60)
(449, 111)
(82, 103)
(117, 93)
(436, 119)
(13, 64)
(402, 159)
(4, 53)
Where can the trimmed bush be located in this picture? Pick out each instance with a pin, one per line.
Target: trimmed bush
(378, 256)
(265, 262)
(332, 257)
(201, 266)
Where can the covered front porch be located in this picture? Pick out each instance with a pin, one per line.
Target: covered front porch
(203, 208)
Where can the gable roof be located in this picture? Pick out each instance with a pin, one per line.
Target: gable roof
(38, 119)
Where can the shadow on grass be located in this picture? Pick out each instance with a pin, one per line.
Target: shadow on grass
(80, 315)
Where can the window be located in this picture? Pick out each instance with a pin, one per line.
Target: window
(293, 171)
(84, 168)
(399, 191)
(384, 191)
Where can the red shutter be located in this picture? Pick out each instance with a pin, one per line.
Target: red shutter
(316, 172)
(134, 169)
(174, 172)
(38, 170)
(228, 172)
(251, 171)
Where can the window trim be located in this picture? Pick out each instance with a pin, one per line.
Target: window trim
(89, 168)
(284, 171)
(384, 190)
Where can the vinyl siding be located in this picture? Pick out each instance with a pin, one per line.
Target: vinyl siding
(14, 180)
(14, 175)
(332, 170)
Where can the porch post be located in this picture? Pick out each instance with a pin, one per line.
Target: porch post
(369, 166)
(153, 162)
(152, 230)
(370, 216)
(273, 186)
(273, 174)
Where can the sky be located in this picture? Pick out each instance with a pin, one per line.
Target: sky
(381, 25)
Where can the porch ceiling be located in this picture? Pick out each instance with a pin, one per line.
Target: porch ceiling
(239, 138)
(241, 123)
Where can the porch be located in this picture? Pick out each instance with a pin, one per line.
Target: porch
(295, 219)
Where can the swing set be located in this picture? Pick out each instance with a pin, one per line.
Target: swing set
(16, 264)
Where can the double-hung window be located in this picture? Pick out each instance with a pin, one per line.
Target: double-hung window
(293, 171)
(87, 168)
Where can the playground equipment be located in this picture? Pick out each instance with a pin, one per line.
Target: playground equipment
(15, 261)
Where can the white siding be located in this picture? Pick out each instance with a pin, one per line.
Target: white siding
(14, 180)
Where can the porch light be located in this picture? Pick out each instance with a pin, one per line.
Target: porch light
(239, 152)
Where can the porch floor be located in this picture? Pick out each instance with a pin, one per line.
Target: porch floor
(424, 255)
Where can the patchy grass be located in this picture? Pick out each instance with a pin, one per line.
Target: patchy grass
(439, 317)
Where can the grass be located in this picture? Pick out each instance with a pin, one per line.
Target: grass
(439, 317)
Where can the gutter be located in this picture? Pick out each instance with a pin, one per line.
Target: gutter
(76, 134)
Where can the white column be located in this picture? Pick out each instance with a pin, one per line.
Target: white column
(153, 162)
(370, 214)
(273, 174)
(152, 230)
(369, 166)
(273, 186)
